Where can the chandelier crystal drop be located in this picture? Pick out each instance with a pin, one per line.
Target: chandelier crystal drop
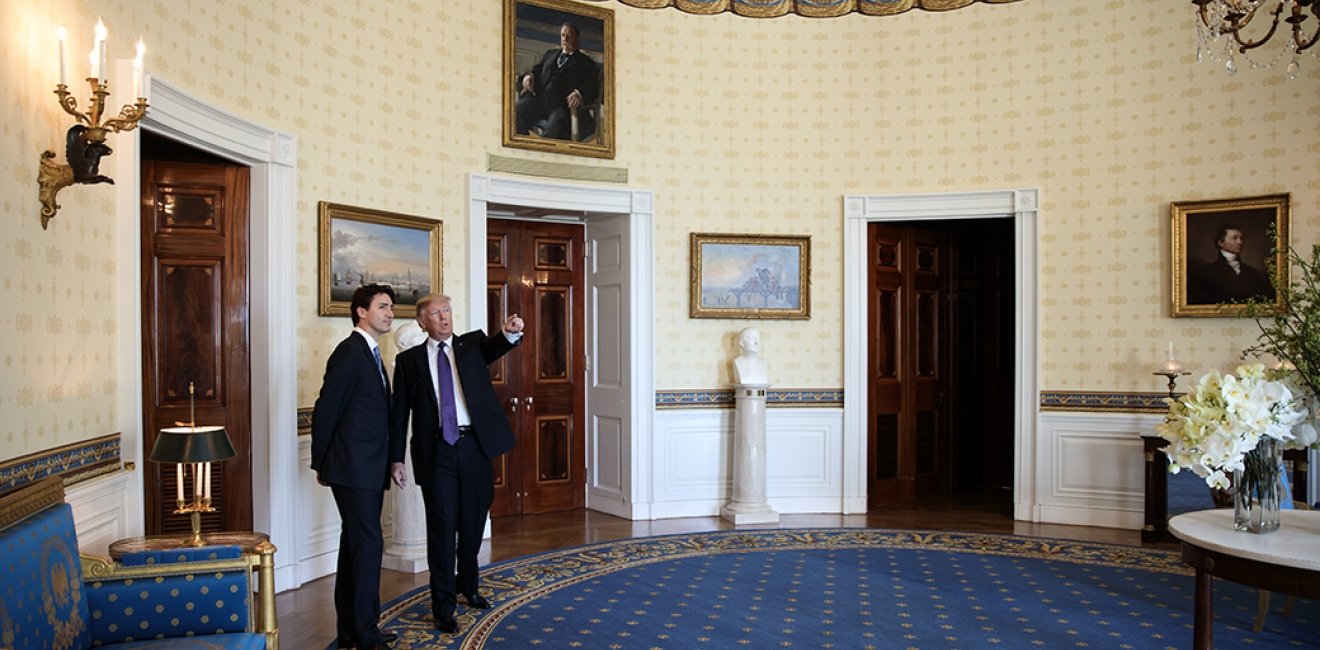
(1225, 31)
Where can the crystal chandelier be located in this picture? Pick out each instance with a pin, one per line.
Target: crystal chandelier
(1221, 23)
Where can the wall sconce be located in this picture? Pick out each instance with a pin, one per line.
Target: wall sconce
(84, 144)
(193, 447)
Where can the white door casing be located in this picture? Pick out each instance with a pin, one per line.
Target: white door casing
(860, 210)
(626, 488)
(273, 300)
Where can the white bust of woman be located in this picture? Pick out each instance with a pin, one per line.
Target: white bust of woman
(749, 367)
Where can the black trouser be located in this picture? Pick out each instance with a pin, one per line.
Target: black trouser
(457, 499)
(357, 583)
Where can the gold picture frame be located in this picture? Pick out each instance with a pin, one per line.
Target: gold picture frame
(750, 276)
(531, 38)
(359, 246)
(1204, 282)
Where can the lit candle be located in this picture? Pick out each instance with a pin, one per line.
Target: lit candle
(101, 36)
(1170, 364)
(178, 478)
(137, 67)
(63, 34)
(91, 58)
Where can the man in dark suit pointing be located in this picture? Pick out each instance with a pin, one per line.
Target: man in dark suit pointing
(354, 453)
(458, 428)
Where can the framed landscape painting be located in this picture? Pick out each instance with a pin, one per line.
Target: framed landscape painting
(559, 77)
(360, 246)
(750, 276)
(1224, 251)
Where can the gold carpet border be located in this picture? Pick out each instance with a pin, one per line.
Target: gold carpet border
(515, 583)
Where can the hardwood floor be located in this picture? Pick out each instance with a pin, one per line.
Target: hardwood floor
(307, 618)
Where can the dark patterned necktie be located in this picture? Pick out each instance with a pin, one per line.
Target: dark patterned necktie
(448, 411)
(380, 365)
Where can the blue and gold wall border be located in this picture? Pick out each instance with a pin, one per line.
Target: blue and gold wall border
(723, 398)
(73, 463)
(1103, 402)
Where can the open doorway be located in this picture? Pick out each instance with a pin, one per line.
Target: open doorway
(940, 305)
(196, 345)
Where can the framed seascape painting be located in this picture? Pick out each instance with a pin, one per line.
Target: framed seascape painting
(1224, 252)
(361, 246)
(559, 77)
(750, 276)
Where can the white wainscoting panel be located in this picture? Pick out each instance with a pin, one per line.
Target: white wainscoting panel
(318, 519)
(100, 510)
(1092, 468)
(693, 466)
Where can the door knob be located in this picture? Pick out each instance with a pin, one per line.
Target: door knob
(513, 403)
(529, 403)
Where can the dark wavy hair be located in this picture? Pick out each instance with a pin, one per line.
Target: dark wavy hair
(363, 296)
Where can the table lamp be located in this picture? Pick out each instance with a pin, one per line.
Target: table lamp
(191, 446)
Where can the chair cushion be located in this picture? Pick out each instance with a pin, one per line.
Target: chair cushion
(202, 554)
(173, 606)
(241, 641)
(42, 603)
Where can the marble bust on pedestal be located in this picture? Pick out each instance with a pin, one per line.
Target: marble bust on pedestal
(749, 367)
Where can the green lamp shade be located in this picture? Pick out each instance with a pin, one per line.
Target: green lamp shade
(192, 445)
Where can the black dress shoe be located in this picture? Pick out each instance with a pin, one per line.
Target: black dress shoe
(343, 643)
(476, 600)
(447, 624)
(389, 637)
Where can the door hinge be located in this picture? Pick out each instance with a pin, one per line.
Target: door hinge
(588, 363)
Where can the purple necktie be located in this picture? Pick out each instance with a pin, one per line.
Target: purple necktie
(448, 412)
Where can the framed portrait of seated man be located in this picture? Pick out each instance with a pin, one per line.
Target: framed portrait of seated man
(559, 77)
(1227, 253)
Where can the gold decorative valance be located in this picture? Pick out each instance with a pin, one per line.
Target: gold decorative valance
(808, 8)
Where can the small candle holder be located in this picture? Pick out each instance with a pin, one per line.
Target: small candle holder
(1173, 376)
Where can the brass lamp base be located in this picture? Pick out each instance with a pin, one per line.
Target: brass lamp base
(194, 511)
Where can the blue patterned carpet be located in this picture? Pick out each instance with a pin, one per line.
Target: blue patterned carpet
(847, 588)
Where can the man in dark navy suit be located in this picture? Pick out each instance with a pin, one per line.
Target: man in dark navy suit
(458, 428)
(354, 454)
(564, 80)
(1228, 278)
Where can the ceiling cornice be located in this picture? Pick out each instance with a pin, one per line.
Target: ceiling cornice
(808, 8)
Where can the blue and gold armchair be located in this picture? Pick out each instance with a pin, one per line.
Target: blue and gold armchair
(53, 598)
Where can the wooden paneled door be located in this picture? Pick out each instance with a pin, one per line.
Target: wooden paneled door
(907, 423)
(535, 269)
(195, 329)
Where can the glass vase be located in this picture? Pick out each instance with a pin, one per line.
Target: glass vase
(1256, 488)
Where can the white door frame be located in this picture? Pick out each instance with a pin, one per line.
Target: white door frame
(272, 297)
(860, 210)
(638, 206)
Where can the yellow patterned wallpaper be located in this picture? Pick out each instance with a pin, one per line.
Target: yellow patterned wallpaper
(738, 125)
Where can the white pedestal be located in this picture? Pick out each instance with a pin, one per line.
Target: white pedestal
(406, 550)
(748, 505)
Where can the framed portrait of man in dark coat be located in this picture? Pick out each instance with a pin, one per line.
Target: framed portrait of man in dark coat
(1225, 252)
(559, 83)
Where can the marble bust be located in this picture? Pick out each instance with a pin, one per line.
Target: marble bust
(408, 335)
(749, 367)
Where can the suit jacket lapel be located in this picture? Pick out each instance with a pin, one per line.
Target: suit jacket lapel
(424, 372)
